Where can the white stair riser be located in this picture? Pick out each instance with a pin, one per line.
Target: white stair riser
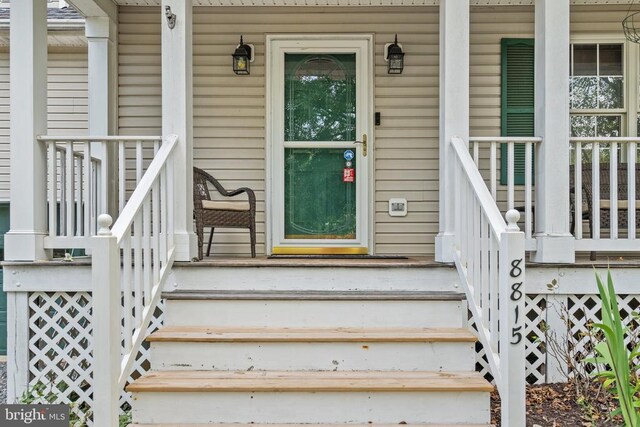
(303, 407)
(346, 356)
(309, 313)
(314, 278)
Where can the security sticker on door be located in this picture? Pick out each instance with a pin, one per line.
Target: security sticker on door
(348, 175)
(348, 155)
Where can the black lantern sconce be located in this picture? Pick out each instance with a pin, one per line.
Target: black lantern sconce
(242, 57)
(394, 57)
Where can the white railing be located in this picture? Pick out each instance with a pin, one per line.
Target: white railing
(142, 237)
(605, 189)
(509, 193)
(489, 257)
(79, 183)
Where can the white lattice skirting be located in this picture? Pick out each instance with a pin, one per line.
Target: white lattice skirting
(60, 344)
(60, 349)
(560, 314)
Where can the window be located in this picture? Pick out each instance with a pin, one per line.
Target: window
(597, 89)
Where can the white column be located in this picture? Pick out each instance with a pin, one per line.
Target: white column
(177, 118)
(555, 243)
(28, 75)
(101, 35)
(454, 109)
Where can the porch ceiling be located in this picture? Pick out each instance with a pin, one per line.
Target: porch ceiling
(357, 2)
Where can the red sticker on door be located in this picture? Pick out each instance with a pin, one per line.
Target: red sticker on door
(348, 175)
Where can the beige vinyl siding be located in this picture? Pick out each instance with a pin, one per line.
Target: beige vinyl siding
(229, 110)
(67, 102)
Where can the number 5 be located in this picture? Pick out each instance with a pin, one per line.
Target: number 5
(517, 335)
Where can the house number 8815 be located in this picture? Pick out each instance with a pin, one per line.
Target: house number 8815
(515, 296)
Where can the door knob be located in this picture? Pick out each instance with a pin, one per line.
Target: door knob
(364, 144)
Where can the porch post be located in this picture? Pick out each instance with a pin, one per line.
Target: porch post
(101, 33)
(555, 243)
(454, 110)
(177, 118)
(28, 74)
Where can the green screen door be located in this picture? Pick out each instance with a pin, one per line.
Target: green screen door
(320, 170)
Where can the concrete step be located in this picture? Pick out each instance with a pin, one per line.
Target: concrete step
(311, 397)
(309, 309)
(378, 349)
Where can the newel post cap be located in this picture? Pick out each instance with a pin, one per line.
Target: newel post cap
(104, 222)
(512, 216)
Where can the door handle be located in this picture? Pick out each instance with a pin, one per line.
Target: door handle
(364, 144)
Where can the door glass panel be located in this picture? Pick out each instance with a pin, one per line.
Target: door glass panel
(318, 203)
(320, 97)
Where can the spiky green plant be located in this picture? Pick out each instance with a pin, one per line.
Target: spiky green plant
(619, 375)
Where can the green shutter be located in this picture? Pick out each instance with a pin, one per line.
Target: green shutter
(518, 97)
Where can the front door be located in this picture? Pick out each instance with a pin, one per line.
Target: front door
(320, 144)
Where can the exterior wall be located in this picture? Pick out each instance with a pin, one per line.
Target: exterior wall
(67, 102)
(229, 110)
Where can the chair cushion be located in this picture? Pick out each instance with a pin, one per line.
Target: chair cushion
(225, 206)
(622, 204)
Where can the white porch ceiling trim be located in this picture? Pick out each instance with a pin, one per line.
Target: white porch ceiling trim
(359, 2)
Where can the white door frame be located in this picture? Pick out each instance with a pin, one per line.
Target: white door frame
(276, 45)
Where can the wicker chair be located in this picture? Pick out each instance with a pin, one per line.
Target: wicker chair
(225, 214)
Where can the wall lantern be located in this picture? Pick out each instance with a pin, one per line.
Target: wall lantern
(394, 56)
(242, 57)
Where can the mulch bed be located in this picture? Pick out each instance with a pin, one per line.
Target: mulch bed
(555, 405)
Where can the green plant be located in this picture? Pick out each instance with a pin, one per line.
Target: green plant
(620, 373)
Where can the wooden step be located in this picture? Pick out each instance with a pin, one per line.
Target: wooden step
(283, 381)
(315, 349)
(318, 335)
(314, 295)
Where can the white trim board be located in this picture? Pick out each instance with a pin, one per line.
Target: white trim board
(362, 46)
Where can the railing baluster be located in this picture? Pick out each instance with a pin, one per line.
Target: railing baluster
(613, 193)
(494, 289)
(79, 186)
(528, 185)
(484, 262)
(476, 153)
(52, 177)
(631, 189)
(578, 191)
(139, 161)
(70, 190)
(595, 179)
(122, 175)
(137, 267)
(146, 248)
(63, 191)
(510, 175)
(476, 214)
(126, 278)
(163, 216)
(494, 168)
(88, 189)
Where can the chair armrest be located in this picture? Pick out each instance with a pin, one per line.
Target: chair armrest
(250, 195)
